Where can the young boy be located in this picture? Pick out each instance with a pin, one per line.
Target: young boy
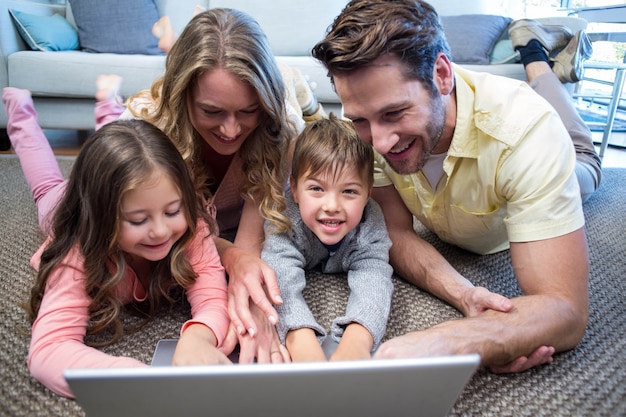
(337, 226)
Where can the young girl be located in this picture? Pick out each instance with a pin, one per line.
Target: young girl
(128, 227)
(335, 225)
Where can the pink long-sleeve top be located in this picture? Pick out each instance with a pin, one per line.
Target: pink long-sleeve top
(57, 334)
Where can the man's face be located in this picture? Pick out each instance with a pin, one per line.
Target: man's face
(398, 117)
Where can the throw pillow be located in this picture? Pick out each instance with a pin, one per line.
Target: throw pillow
(45, 33)
(503, 53)
(471, 37)
(116, 26)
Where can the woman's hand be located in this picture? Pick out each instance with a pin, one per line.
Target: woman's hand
(197, 346)
(264, 347)
(250, 282)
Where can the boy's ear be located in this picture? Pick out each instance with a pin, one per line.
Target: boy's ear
(292, 188)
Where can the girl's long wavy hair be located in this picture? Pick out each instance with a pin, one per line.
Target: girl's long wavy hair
(120, 157)
(234, 41)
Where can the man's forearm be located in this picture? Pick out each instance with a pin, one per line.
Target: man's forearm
(499, 338)
(421, 264)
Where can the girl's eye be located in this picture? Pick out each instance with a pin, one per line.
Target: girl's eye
(137, 222)
(173, 213)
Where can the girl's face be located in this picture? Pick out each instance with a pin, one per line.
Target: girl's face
(152, 218)
(331, 205)
(224, 110)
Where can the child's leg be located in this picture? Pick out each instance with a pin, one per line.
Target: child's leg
(164, 32)
(108, 102)
(38, 162)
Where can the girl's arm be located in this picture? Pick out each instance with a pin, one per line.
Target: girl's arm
(58, 333)
(207, 328)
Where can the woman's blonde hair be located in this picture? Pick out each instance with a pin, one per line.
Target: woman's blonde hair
(231, 40)
(119, 157)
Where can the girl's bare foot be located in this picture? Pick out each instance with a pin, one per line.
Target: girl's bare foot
(164, 31)
(108, 86)
(198, 9)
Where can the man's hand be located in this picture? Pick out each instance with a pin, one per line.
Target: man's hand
(476, 300)
(542, 355)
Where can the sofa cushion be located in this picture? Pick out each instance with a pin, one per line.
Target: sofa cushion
(116, 26)
(472, 36)
(73, 73)
(45, 33)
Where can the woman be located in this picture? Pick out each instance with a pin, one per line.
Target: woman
(222, 101)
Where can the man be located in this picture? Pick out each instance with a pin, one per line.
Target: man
(482, 161)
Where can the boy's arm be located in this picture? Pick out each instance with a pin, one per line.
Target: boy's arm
(356, 343)
(366, 261)
(303, 346)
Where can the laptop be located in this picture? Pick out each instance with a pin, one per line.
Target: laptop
(394, 387)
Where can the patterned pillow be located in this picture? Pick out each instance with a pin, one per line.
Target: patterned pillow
(116, 26)
(471, 37)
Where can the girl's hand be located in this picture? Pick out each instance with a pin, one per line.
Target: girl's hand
(197, 346)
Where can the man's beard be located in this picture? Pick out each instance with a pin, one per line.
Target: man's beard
(434, 130)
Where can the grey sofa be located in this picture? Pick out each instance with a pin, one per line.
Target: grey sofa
(63, 82)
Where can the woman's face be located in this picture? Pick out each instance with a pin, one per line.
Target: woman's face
(224, 110)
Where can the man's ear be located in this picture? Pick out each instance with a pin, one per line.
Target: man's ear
(443, 75)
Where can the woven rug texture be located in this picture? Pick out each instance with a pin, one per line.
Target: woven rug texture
(589, 380)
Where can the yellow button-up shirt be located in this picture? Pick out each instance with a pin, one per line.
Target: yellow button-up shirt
(509, 172)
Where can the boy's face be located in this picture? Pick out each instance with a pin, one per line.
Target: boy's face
(331, 205)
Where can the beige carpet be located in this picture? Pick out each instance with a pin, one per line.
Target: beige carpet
(587, 381)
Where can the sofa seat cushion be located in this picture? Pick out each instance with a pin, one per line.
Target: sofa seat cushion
(74, 73)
